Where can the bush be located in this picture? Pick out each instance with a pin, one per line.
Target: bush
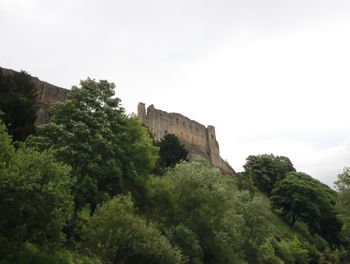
(283, 251)
(118, 235)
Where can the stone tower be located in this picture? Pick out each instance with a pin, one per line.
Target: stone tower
(213, 147)
(141, 112)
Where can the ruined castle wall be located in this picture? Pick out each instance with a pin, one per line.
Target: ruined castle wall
(225, 166)
(214, 147)
(193, 134)
(198, 139)
(48, 95)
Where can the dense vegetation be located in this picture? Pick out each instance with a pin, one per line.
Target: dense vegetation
(171, 152)
(83, 189)
(18, 103)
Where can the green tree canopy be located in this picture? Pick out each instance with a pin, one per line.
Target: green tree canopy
(343, 186)
(300, 197)
(109, 152)
(118, 235)
(35, 198)
(6, 148)
(265, 170)
(205, 216)
(18, 102)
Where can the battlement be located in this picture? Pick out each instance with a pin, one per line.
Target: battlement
(198, 139)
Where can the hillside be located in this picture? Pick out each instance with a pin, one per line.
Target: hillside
(92, 186)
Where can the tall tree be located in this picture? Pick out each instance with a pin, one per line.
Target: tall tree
(18, 102)
(300, 197)
(265, 170)
(343, 186)
(109, 152)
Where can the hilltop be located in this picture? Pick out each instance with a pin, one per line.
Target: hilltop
(90, 185)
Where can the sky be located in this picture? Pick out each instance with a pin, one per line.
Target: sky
(272, 76)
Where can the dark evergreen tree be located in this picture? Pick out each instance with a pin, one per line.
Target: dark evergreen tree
(18, 103)
(171, 151)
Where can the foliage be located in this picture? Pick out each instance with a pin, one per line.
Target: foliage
(245, 182)
(343, 187)
(265, 170)
(192, 214)
(109, 152)
(188, 241)
(6, 148)
(35, 199)
(209, 220)
(171, 151)
(300, 197)
(18, 102)
(343, 182)
(31, 254)
(300, 253)
(118, 235)
(295, 250)
(283, 251)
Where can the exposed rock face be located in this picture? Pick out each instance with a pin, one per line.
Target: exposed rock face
(198, 139)
(48, 95)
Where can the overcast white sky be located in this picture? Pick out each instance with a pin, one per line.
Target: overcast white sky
(271, 75)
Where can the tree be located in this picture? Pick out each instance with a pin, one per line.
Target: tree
(300, 197)
(171, 151)
(6, 148)
(343, 187)
(265, 170)
(35, 199)
(118, 235)
(203, 214)
(109, 152)
(18, 102)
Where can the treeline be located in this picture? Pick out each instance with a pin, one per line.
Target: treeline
(316, 214)
(91, 186)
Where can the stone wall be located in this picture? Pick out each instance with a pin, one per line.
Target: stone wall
(48, 95)
(198, 139)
